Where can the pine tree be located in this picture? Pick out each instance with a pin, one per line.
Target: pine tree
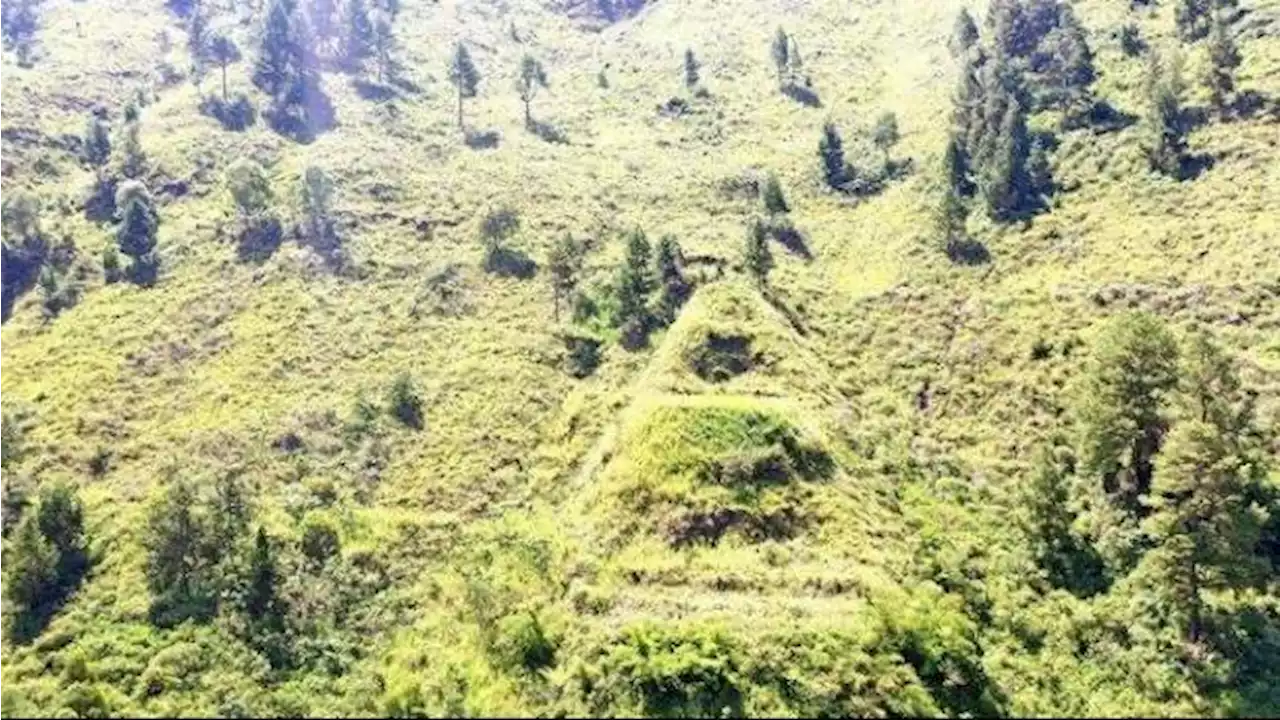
(564, 263)
(1039, 173)
(964, 35)
(782, 55)
(317, 200)
(198, 35)
(691, 66)
(464, 76)
(1191, 19)
(1006, 28)
(273, 70)
(1048, 523)
(631, 290)
(223, 51)
(385, 47)
(358, 43)
(249, 187)
(1224, 58)
(1003, 177)
(262, 601)
(133, 159)
(321, 13)
(673, 289)
(756, 257)
(177, 565)
(885, 135)
(771, 194)
(136, 235)
(532, 76)
(968, 100)
(30, 579)
(1166, 133)
(61, 520)
(97, 142)
(1122, 409)
(1203, 524)
(949, 222)
(831, 153)
(955, 167)
(1072, 68)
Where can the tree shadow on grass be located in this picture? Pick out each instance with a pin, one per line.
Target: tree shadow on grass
(482, 139)
(548, 132)
(508, 262)
(792, 239)
(967, 251)
(375, 91)
(1195, 165)
(801, 94)
(1106, 118)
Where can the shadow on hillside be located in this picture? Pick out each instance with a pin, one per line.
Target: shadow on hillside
(792, 239)
(482, 139)
(304, 113)
(507, 262)
(1106, 118)
(548, 132)
(1193, 166)
(236, 116)
(100, 205)
(72, 567)
(371, 90)
(20, 269)
(1251, 103)
(1195, 117)
(802, 94)
(258, 242)
(967, 251)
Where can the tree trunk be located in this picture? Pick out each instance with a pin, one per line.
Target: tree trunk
(1194, 631)
(528, 118)
(460, 107)
(224, 83)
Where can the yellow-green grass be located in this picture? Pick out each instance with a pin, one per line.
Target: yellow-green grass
(204, 372)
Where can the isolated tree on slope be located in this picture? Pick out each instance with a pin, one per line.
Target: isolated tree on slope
(691, 66)
(136, 235)
(781, 49)
(532, 77)
(831, 153)
(1224, 58)
(224, 51)
(464, 76)
(964, 35)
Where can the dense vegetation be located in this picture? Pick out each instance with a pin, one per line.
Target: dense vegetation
(641, 358)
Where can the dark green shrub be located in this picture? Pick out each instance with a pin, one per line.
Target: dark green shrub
(404, 402)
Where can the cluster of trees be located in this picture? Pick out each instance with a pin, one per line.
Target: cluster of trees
(1036, 58)
(859, 180)
(287, 69)
(46, 560)
(1167, 121)
(259, 228)
(649, 287)
(787, 60)
(44, 546)
(1165, 479)
(201, 557)
(25, 247)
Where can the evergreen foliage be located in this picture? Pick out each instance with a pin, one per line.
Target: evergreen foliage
(464, 76)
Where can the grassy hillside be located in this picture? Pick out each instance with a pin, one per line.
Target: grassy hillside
(801, 497)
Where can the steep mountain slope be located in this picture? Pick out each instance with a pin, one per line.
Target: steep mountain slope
(801, 497)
